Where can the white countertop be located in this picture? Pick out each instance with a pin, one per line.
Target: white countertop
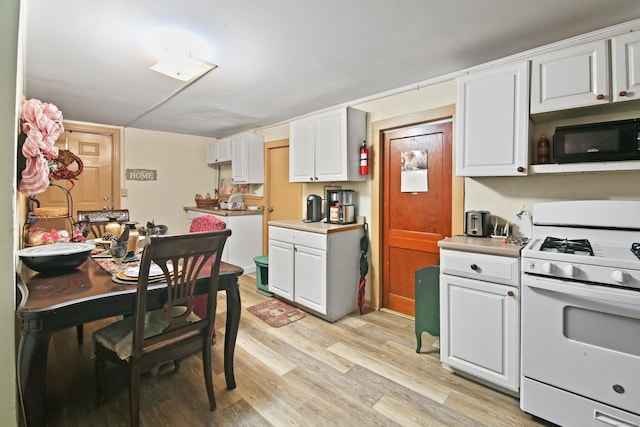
(223, 212)
(483, 245)
(316, 227)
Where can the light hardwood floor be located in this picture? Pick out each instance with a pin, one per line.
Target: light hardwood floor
(359, 371)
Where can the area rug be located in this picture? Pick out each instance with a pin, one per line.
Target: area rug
(276, 313)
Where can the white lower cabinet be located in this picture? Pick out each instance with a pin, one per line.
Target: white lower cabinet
(317, 271)
(480, 317)
(245, 241)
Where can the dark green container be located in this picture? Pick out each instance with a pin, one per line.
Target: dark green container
(262, 275)
(427, 302)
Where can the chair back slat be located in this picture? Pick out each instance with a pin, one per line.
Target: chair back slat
(182, 259)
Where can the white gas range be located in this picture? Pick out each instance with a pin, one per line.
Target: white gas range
(581, 314)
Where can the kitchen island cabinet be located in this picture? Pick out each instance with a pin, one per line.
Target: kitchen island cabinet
(315, 265)
(245, 241)
(480, 309)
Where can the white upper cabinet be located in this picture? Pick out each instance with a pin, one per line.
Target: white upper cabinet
(576, 76)
(625, 54)
(247, 159)
(326, 146)
(219, 151)
(492, 122)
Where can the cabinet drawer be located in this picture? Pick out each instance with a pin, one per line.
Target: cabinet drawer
(490, 268)
(304, 238)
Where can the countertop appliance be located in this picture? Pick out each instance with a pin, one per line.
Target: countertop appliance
(477, 223)
(314, 208)
(606, 141)
(341, 206)
(581, 313)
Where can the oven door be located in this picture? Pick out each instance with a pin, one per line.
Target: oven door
(582, 338)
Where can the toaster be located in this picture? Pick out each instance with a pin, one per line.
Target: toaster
(477, 223)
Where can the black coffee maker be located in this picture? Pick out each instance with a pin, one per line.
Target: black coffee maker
(314, 208)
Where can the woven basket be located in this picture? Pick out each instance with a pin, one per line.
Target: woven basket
(206, 203)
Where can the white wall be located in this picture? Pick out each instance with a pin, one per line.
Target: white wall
(182, 171)
(10, 95)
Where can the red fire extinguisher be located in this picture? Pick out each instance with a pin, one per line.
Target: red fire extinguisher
(364, 159)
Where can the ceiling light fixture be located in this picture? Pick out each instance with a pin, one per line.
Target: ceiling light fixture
(181, 65)
(179, 53)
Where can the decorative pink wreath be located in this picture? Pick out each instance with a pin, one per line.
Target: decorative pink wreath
(42, 124)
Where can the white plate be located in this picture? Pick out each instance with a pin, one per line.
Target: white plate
(154, 270)
(56, 249)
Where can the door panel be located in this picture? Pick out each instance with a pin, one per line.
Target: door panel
(283, 198)
(97, 187)
(414, 221)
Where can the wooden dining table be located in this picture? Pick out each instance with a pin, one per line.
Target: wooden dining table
(47, 304)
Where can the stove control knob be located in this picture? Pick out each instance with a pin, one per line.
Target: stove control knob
(618, 276)
(569, 270)
(547, 267)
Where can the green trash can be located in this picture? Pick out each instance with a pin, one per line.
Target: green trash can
(262, 275)
(427, 302)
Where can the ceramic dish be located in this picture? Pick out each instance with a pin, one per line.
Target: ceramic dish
(56, 258)
(154, 270)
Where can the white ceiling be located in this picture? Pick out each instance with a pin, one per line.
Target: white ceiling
(277, 59)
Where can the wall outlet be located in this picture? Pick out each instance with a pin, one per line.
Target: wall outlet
(124, 192)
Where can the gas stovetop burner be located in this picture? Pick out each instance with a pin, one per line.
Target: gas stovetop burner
(635, 248)
(567, 246)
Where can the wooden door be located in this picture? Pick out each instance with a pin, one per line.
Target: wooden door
(416, 207)
(98, 186)
(283, 199)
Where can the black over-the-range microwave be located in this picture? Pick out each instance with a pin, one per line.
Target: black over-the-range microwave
(597, 142)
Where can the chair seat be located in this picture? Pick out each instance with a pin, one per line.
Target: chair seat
(118, 336)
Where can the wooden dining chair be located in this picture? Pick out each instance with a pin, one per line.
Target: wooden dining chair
(205, 223)
(96, 221)
(151, 338)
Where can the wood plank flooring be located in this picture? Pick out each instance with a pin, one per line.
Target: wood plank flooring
(361, 370)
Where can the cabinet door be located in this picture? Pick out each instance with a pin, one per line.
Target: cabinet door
(219, 151)
(223, 150)
(246, 241)
(569, 78)
(480, 329)
(625, 64)
(310, 278)
(239, 159)
(331, 146)
(281, 269)
(492, 122)
(301, 151)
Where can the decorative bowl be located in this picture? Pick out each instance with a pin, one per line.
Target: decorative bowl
(56, 258)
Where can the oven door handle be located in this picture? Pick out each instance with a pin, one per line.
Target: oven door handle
(622, 296)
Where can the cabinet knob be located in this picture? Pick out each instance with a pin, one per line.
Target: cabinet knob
(520, 169)
(474, 267)
(600, 96)
(510, 293)
(623, 93)
(311, 178)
